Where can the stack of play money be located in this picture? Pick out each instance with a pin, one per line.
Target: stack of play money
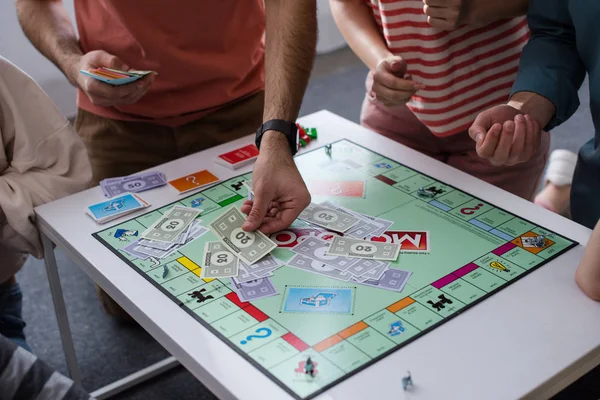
(175, 229)
(367, 226)
(133, 183)
(314, 255)
(240, 255)
(343, 220)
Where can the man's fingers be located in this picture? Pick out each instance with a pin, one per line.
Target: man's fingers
(502, 151)
(528, 148)
(537, 138)
(487, 146)
(100, 89)
(518, 144)
(104, 59)
(283, 220)
(258, 211)
(480, 126)
(100, 92)
(139, 92)
(245, 208)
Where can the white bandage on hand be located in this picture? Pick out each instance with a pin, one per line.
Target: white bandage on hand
(561, 167)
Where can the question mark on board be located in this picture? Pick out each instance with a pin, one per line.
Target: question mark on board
(336, 189)
(471, 210)
(192, 179)
(266, 334)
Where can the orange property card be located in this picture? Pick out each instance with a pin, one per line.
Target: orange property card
(193, 181)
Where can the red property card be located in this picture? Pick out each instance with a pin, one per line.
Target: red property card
(238, 157)
(338, 188)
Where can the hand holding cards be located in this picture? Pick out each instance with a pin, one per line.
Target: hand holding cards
(115, 77)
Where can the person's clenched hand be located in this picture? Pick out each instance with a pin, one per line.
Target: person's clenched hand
(392, 86)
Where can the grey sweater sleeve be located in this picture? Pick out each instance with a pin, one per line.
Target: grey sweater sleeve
(25, 377)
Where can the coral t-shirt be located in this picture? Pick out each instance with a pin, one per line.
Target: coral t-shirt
(465, 71)
(207, 53)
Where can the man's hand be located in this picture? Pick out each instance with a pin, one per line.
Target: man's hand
(505, 136)
(280, 194)
(391, 85)
(445, 14)
(103, 94)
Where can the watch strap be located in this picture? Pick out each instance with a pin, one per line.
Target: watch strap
(287, 128)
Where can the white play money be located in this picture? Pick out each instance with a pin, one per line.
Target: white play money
(316, 249)
(246, 276)
(254, 290)
(168, 227)
(392, 279)
(363, 228)
(328, 218)
(249, 247)
(267, 263)
(376, 272)
(385, 224)
(355, 248)
(181, 239)
(219, 262)
(317, 267)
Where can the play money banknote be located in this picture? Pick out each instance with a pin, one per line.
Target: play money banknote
(168, 227)
(350, 247)
(247, 246)
(328, 218)
(219, 262)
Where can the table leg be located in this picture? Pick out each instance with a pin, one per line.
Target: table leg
(136, 378)
(60, 310)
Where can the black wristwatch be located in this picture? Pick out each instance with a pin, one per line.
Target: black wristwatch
(289, 129)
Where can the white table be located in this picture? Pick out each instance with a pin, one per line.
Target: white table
(531, 339)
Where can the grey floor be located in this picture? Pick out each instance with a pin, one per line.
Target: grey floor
(108, 351)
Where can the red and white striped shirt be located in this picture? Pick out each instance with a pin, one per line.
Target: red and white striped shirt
(465, 71)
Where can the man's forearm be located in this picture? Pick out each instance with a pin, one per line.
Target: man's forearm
(48, 26)
(486, 11)
(538, 107)
(291, 38)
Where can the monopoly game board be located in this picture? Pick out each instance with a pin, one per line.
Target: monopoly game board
(458, 248)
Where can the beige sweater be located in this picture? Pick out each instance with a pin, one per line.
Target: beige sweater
(41, 159)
